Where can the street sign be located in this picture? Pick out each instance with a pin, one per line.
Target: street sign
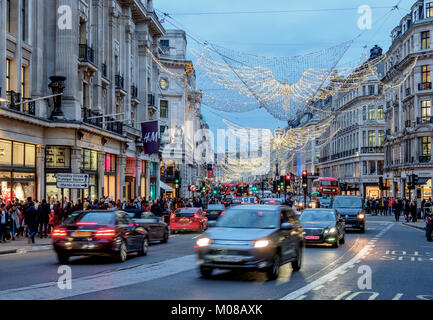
(72, 181)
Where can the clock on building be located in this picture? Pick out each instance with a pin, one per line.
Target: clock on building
(163, 83)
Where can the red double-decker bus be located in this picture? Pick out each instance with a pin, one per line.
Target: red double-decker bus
(242, 189)
(326, 186)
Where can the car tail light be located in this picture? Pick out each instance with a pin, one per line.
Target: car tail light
(105, 233)
(223, 213)
(86, 223)
(59, 233)
(172, 216)
(205, 212)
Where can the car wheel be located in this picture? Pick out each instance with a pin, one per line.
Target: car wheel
(343, 240)
(166, 236)
(122, 255)
(206, 272)
(63, 258)
(297, 264)
(336, 244)
(144, 247)
(274, 271)
(362, 230)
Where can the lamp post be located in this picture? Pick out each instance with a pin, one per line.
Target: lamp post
(57, 85)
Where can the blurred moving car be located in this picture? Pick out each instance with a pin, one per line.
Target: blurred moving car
(299, 202)
(158, 230)
(325, 202)
(323, 226)
(351, 209)
(272, 201)
(252, 237)
(236, 202)
(101, 233)
(188, 219)
(213, 211)
(227, 201)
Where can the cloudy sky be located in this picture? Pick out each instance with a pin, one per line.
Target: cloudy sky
(279, 28)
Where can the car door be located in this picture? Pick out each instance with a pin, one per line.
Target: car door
(340, 224)
(155, 225)
(133, 236)
(285, 236)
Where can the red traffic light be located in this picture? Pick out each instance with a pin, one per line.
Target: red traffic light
(288, 177)
(304, 173)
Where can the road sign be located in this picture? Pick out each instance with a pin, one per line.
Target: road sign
(72, 181)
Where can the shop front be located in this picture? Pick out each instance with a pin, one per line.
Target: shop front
(57, 160)
(143, 176)
(372, 191)
(153, 180)
(130, 179)
(89, 165)
(17, 170)
(110, 176)
(424, 189)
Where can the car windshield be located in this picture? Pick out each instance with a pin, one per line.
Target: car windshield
(327, 183)
(98, 218)
(317, 215)
(215, 207)
(256, 218)
(141, 215)
(347, 202)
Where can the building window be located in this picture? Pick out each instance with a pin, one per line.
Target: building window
(364, 138)
(429, 9)
(57, 157)
(23, 82)
(371, 138)
(163, 109)
(380, 113)
(364, 113)
(380, 138)
(371, 90)
(425, 40)
(371, 113)
(8, 75)
(372, 166)
(425, 72)
(89, 160)
(364, 168)
(8, 16)
(426, 146)
(426, 111)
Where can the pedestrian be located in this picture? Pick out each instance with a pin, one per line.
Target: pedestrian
(396, 210)
(15, 224)
(31, 220)
(407, 211)
(43, 218)
(413, 210)
(4, 222)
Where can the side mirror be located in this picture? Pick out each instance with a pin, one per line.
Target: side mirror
(286, 226)
(211, 224)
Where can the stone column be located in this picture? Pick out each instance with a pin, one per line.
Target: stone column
(121, 166)
(66, 48)
(101, 173)
(137, 177)
(40, 172)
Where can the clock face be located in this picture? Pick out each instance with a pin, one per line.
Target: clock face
(163, 83)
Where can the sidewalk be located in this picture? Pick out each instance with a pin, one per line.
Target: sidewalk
(419, 224)
(22, 246)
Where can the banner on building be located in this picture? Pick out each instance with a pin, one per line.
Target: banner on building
(150, 133)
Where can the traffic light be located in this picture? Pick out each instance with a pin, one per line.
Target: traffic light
(304, 179)
(381, 183)
(288, 177)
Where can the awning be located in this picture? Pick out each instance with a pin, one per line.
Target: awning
(165, 187)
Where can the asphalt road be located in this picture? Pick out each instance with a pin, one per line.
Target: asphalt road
(398, 258)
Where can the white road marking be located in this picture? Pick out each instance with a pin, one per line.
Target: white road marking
(332, 279)
(318, 288)
(301, 298)
(373, 295)
(397, 296)
(293, 295)
(343, 272)
(196, 236)
(342, 295)
(103, 281)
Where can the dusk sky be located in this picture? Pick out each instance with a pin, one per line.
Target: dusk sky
(304, 27)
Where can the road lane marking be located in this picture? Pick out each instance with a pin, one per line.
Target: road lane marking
(301, 298)
(196, 237)
(293, 295)
(319, 287)
(345, 293)
(397, 296)
(373, 295)
(332, 279)
(103, 281)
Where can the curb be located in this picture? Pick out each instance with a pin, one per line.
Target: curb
(411, 225)
(26, 250)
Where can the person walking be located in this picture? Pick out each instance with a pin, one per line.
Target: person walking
(43, 219)
(31, 220)
(4, 221)
(396, 209)
(413, 210)
(407, 211)
(14, 214)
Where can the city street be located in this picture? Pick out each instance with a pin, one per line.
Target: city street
(398, 256)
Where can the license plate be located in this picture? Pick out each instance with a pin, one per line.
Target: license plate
(185, 220)
(81, 234)
(215, 212)
(312, 237)
(227, 259)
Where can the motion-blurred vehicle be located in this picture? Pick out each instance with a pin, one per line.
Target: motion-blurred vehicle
(252, 237)
(272, 201)
(351, 209)
(100, 233)
(227, 201)
(213, 211)
(158, 230)
(325, 202)
(299, 202)
(188, 219)
(323, 226)
(236, 202)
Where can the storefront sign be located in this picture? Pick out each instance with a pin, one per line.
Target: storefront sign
(150, 134)
(72, 181)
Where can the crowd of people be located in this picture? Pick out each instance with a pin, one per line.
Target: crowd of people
(398, 207)
(30, 219)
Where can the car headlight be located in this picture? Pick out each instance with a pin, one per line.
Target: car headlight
(261, 243)
(203, 242)
(361, 216)
(332, 230)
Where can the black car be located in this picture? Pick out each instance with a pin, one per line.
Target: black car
(227, 201)
(351, 209)
(213, 211)
(252, 237)
(158, 230)
(99, 232)
(323, 226)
